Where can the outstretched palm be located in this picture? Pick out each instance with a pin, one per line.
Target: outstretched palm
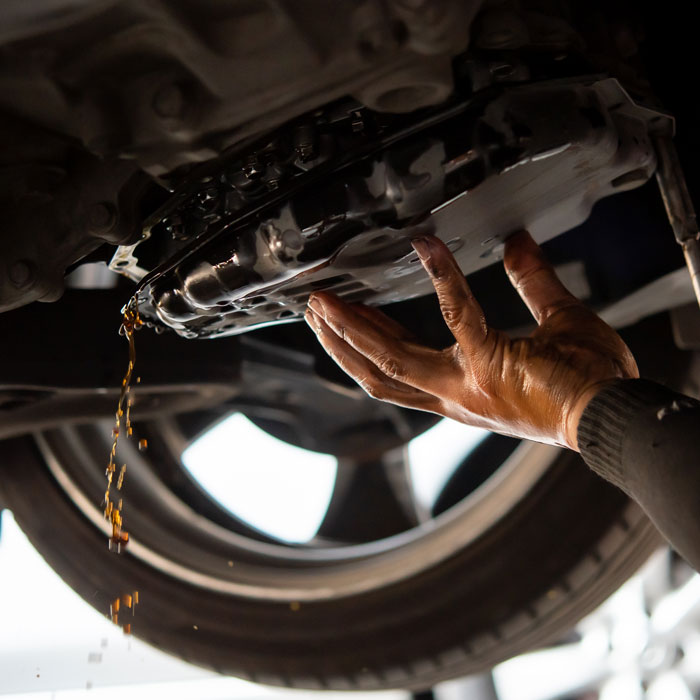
(534, 387)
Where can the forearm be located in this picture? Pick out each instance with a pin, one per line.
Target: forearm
(644, 438)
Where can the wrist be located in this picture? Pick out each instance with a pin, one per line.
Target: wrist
(578, 407)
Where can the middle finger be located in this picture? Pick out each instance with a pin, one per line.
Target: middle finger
(365, 373)
(407, 362)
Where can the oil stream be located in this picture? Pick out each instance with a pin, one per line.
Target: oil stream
(119, 538)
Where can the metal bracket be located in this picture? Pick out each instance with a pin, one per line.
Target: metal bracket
(679, 206)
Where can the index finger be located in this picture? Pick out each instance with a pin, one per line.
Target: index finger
(461, 311)
(381, 320)
(534, 278)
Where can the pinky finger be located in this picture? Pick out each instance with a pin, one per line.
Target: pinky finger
(375, 383)
(382, 321)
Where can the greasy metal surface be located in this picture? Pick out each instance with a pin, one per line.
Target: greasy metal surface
(536, 156)
(679, 207)
(93, 90)
(54, 214)
(171, 82)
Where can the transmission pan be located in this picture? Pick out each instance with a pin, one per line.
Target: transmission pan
(536, 157)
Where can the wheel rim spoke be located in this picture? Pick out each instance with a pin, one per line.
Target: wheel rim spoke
(372, 499)
(479, 465)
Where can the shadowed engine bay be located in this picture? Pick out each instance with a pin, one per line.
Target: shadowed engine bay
(241, 155)
(333, 200)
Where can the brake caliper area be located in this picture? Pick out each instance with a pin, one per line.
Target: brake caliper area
(322, 206)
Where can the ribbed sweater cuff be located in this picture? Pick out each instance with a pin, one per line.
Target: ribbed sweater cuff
(605, 420)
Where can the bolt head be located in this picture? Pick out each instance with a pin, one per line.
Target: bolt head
(252, 167)
(292, 241)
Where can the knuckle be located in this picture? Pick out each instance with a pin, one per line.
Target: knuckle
(534, 276)
(388, 365)
(455, 298)
(459, 320)
(482, 327)
(337, 327)
(451, 314)
(569, 304)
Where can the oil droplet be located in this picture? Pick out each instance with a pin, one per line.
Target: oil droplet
(119, 538)
(120, 480)
(194, 627)
(230, 563)
(126, 600)
(118, 541)
(131, 322)
(294, 606)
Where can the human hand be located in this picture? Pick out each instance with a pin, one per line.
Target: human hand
(535, 387)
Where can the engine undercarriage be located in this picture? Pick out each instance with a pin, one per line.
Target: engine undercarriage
(537, 156)
(242, 155)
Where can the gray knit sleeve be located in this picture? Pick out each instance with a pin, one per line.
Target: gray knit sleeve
(645, 439)
(609, 415)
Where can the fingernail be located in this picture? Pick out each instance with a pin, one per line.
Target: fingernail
(315, 304)
(311, 319)
(422, 247)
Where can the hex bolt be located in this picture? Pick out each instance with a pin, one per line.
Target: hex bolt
(208, 194)
(174, 227)
(284, 245)
(169, 101)
(21, 273)
(252, 167)
(207, 198)
(304, 141)
(679, 206)
(292, 241)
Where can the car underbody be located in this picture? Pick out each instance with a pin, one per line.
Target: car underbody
(211, 164)
(231, 199)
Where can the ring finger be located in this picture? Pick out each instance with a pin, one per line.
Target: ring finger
(366, 374)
